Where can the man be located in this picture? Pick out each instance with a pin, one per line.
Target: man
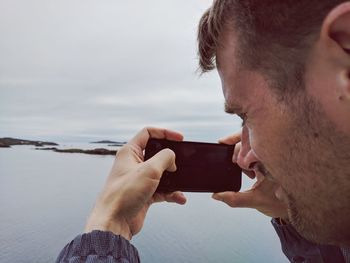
(285, 69)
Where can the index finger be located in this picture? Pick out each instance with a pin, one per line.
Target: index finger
(146, 133)
(231, 139)
(240, 199)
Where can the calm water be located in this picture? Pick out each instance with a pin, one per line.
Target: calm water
(45, 198)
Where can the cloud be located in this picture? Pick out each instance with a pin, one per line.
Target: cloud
(82, 69)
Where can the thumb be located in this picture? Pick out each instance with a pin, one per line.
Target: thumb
(163, 160)
(240, 199)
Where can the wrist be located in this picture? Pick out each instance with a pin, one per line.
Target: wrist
(117, 227)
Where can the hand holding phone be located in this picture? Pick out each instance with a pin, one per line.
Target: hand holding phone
(262, 194)
(201, 167)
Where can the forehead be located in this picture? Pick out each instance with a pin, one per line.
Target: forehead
(227, 51)
(229, 67)
(241, 86)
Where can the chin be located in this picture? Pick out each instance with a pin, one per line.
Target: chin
(303, 224)
(314, 229)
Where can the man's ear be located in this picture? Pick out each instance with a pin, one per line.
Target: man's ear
(337, 26)
(336, 32)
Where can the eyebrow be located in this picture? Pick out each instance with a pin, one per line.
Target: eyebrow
(232, 109)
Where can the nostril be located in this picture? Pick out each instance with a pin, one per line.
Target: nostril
(252, 165)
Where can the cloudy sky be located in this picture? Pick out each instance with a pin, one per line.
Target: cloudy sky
(79, 70)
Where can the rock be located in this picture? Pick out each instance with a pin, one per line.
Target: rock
(97, 151)
(7, 141)
(112, 143)
(117, 144)
(2, 145)
(47, 148)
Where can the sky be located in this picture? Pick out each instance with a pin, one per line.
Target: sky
(82, 70)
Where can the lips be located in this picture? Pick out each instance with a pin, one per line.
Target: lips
(260, 168)
(259, 179)
(261, 172)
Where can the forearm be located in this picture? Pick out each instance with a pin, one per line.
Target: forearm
(99, 246)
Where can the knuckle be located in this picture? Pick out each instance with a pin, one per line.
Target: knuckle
(168, 198)
(233, 202)
(148, 129)
(170, 153)
(153, 170)
(123, 150)
(238, 147)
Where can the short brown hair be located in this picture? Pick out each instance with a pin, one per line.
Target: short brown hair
(274, 35)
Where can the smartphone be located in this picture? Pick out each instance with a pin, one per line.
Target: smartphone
(201, 167)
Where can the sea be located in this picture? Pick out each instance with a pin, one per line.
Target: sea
(45, 198)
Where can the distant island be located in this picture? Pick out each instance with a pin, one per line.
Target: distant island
(97, 151)
(7, 142)
(104, 141)
(110, 143)
(116, 144)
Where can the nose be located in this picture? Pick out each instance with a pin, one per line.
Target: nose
(246, 158)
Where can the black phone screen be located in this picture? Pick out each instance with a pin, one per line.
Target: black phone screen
(201, 167)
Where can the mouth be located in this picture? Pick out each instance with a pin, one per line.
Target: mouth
(279, 191)
(259, 172)
(260, 168)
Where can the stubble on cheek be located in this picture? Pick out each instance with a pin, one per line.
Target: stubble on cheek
(307, 167)
(294, 217)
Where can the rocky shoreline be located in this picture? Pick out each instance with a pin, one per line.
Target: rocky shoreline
(7, 142)
(97, 151)
(111, 143)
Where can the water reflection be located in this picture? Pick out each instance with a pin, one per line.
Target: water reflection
(45, 198)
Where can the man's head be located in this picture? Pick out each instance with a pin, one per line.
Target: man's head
(285, 67)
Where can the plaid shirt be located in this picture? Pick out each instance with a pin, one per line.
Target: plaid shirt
(299, 250)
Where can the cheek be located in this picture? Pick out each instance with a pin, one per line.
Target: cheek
(264, 129)
(260, 143)
(266, 140)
